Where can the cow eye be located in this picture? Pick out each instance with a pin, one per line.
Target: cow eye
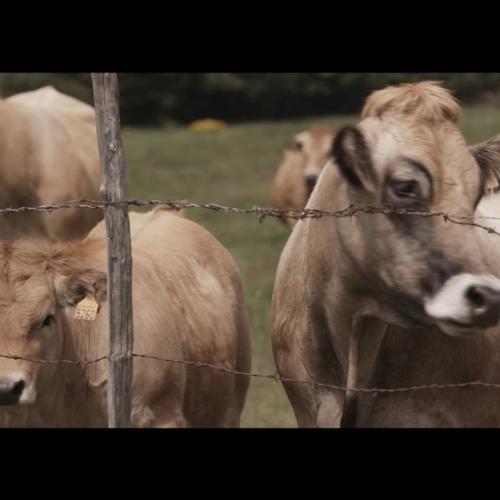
(49, 320)
(405, 189)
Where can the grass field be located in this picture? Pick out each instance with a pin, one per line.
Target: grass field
(235, 167)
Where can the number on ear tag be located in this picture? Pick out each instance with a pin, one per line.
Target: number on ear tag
(87, 309)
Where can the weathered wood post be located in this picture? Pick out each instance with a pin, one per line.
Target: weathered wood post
(114, 189)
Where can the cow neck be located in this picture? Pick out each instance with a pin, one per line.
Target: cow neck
(82, 385)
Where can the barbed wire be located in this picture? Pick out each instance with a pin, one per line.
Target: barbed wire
(275, 377)
(263, 212)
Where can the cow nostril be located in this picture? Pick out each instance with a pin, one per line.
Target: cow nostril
(17, 388)
(311, 180)
(485, 302)
(11, 391)
(475, 297)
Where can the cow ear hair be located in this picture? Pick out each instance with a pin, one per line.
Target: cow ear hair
(350, 152)
(296, 143)
(73, 288)
(487, 155)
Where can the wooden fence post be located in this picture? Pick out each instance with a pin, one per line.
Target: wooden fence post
(114, 189)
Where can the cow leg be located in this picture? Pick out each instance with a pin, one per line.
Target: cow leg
(243, 364)
(175, 422)
(319, 407)
(232, 417)
(315, 409)
(313, 405)
(311, 345)
(171, 418)
(303, 401)
(159, 396)
(330, 409)
(365, 341)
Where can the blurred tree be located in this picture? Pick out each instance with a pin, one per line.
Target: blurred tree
(153, 98)
(75, 84)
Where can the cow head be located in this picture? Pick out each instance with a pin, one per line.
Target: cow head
(39, 287)
(408, 152)
(314, 146)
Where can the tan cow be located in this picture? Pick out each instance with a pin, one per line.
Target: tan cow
(304, 157)
(392, 301)
(188, 305)
(48, 153)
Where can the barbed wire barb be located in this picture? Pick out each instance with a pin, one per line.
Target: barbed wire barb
(261, 212)
(270, 376)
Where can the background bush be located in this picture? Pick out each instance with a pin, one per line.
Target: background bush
(153, 98)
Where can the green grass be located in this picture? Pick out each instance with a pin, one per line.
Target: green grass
(235, 167)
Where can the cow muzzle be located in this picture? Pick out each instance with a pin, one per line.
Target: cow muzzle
(465, 304)
(310, 180)
(11, 390)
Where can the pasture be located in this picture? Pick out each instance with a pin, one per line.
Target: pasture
(235, 167)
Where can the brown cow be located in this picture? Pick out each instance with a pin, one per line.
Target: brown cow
(395, 301)
(48, 153)
(188, 305)
(304, 157)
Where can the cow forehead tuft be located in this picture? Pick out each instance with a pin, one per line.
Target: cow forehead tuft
(320, 131)
(427, 102)
(22, 265)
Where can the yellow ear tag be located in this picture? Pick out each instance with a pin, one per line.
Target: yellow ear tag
(87, 309)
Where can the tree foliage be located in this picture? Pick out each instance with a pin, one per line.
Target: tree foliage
(153, 98)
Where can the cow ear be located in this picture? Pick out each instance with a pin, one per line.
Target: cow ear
(487, 155)
(294, 144)
(89, 282)
(350, 152)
